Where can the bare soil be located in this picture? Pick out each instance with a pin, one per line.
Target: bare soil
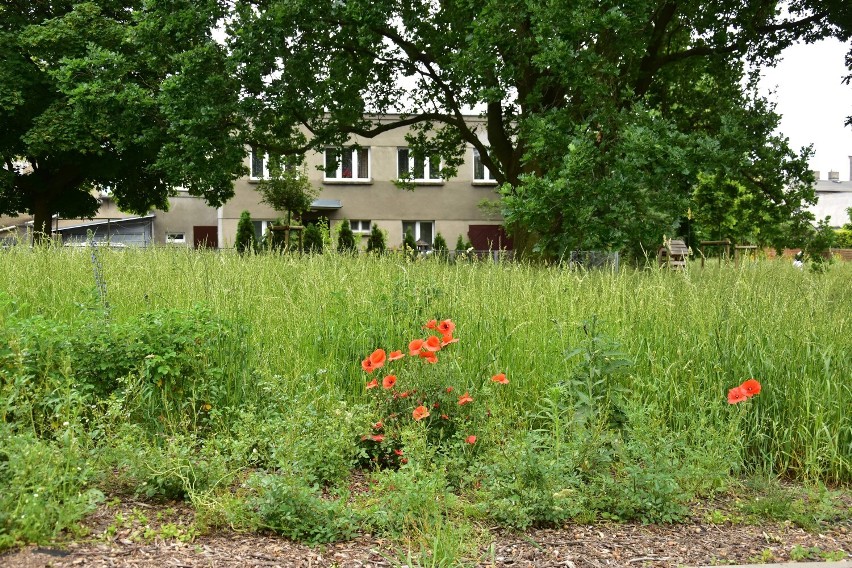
(139, 534)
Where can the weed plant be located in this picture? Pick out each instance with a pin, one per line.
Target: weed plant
(230, 380)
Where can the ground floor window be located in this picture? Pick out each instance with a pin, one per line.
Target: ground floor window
(422, 230)
(360, 226)
(176, 238)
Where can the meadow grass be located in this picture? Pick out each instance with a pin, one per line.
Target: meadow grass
(308, 321)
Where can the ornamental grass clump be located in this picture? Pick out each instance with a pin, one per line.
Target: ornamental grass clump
(416, 389)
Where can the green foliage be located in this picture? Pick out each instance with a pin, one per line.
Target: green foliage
(345, 238)
(440, 244)
(408, 242)
(377, 242)
(313, 242)
(290, 507)
(127, 98)
(460, 244)
(288, 189)
(245, 241)
(43, 485)
(818, 247)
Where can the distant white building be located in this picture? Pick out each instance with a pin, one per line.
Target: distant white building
(834, 197)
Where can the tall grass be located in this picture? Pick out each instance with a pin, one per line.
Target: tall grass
(692, 335)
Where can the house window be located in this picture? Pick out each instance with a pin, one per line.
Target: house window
(360, 226)
(176, 238)
(347, 164)
(480, 172)
(418, 169)
(422, 230)
(260, 229)
(260, 164)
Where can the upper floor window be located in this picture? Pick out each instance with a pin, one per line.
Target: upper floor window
(347, 164)
(480, 172)
(260, 164)
(418, 169)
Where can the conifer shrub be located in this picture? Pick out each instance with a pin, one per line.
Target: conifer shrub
(313, 239)
(408, 242)
(345, 238)
(460, 244)
(245, 241)
(376, 243)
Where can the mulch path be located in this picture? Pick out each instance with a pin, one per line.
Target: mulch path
(137, 541)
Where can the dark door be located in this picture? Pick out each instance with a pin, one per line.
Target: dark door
(489, 237)
(205, 236)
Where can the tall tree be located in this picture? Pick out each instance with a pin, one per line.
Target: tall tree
(130, 95)
(598, 116)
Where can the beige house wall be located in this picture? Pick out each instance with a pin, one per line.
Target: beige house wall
(452, 205)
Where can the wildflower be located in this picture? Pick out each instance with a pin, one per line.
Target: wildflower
(420, 413)
(378, 438)
(398, 452)
(431, 324)
(404, 394)
(415, 346)
(501, 378)
(376, 360)
(436, 405)
(403, 461)
(470, 440)
(432, 344)
(395, 355)
(447, 338)
(378, 426)
(429, 356)
(465, 398)
(446, 327)
(372, 384)
(444, 417)
(389, 381)
(751, 387)
(450, 389)
(737, 394)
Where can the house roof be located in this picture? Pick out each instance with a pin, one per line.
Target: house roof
(829, 186)
(106, 222)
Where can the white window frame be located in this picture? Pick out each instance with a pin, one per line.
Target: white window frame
(429, 176)
(363, 227)
(265, 166)
(417, 230)
(488, 177)
(176, 237)
(357, 155)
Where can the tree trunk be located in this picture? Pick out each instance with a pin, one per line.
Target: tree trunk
(42, 218)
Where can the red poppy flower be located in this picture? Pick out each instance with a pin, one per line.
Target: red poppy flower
(403, 394)
(431, 324)
(436, 405)
(389, 381)
(751, 387)
(445, 417)
(470, 439)
(377, 438)
(420, 413)
(372, 384)
(447, 338)
(737, 394)
(450, 389)
(446, 327)
(398, 452)
(501, 378)
(465, 398)
(415, 346)
(378, 426)
(432, 344)
(376, 360)
(395, 355)
(403, 461)
(429, 356)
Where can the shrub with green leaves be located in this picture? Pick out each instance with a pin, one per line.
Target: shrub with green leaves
(43, 485)
(345, 238)
(245, 240)
(313, 239)
(377, 242)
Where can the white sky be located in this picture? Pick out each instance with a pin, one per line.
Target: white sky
(814, 103)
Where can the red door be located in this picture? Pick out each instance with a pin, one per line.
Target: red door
(205, 236)
(489, 237)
